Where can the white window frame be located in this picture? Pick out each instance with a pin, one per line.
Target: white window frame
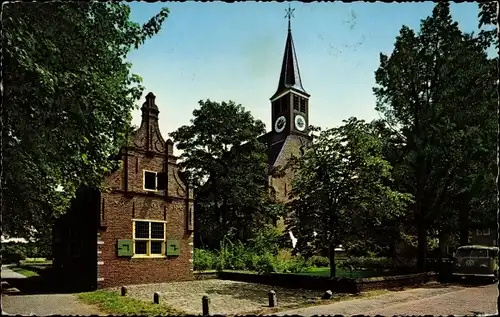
(144, 181)
(483, 232)
(148, 254)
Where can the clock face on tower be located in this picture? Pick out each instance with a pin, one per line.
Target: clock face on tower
(300, 122)
(280, 124)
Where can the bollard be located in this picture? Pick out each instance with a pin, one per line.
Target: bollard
(124, 291)
(204, 305)
(156, 298)
(328, 294)
(272, 299)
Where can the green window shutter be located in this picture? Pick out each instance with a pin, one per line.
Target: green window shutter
(125, 247)
(173, 247)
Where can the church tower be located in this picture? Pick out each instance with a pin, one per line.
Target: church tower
(290, 103)
(290, 119)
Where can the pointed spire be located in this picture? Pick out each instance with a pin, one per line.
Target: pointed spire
(290, 74)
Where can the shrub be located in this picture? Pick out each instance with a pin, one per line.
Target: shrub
(319, 261)
(13, 252)
(266, 240)
(266, 263)
(253, 257)
(377, 263)
(299, 264)
(204, 259)
(236, 256)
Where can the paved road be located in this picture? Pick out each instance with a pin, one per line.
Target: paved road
(429, 300)
(8, 273)
(38, 302)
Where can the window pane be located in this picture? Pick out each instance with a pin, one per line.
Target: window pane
(150, 180)
(156, 247)
(142, 229)
(157, 230)
(141, 247)
(478, 253)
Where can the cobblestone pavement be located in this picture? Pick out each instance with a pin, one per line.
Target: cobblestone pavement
(226, 297)
(430, 300)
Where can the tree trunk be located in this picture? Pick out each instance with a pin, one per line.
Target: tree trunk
(422, 244)
(464, 226)
(420, 217)
(332, 260)
(443, 242)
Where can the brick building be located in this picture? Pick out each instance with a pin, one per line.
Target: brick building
(138, 230)
(487, 236)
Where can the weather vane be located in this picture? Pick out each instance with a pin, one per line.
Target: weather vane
(289, 15)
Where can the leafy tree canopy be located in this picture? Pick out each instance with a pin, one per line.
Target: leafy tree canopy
(341, 187)
(436, 93)
(228, 166)
(488, 16)
(67, 101)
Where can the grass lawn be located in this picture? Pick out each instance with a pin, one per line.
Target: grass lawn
(114, 304)
(325, 271)
(24, 271)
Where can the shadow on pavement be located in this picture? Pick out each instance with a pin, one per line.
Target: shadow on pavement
(46, 283)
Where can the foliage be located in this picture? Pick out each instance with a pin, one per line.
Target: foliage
(203, 259)
(114, 304)
(342, 185)
(377, 263)
(266, 240)
(228, 167)
(237, 256)
(488, 15)
(436, 94)
(68, 95)
(13, 252)
(319, 261)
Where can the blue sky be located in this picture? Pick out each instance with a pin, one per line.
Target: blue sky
(233, 51)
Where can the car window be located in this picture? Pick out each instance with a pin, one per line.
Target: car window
(463, 252)
(479, 253)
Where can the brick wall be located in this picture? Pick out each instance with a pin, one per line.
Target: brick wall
(283, 185)
(482, 237)
(126, 200)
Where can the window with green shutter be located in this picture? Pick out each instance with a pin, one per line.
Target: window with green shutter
(149, 238)
(125, 247)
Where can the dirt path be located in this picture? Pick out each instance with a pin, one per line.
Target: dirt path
(429, 300)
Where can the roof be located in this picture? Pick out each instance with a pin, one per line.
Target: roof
(482, 247)
(290, 74)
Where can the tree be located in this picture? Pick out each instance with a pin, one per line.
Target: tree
(67, 102)
(228, 168)
(341, 185)
(488, 16)
(434, 91)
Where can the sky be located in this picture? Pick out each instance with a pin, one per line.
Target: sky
(233, 51)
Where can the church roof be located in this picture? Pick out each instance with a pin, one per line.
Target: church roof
(290, 74)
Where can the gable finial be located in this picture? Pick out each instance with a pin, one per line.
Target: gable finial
(289, 15)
